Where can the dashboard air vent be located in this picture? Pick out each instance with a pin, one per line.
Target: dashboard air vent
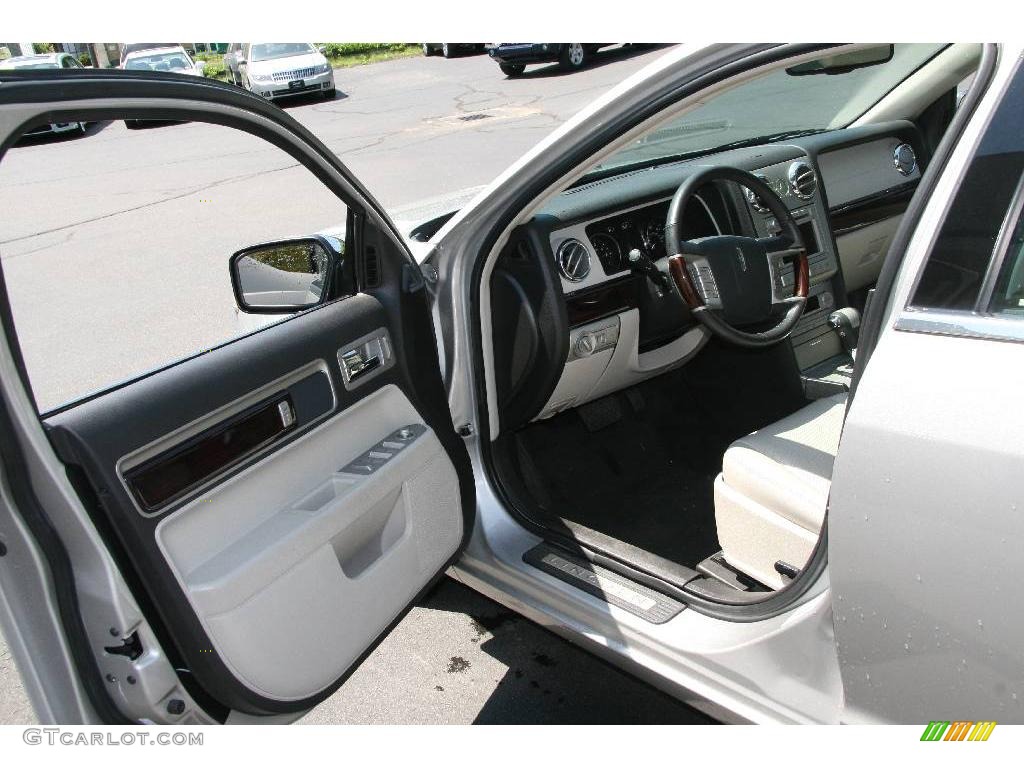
(904, 159)
(802, 180)
(573, 260)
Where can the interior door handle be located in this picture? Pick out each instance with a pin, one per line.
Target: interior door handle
(355, 364)
(365, 358)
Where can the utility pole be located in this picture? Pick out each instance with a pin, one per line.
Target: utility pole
(98, 54)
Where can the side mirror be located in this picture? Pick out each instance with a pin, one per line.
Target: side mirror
(283, 277)
(240, 60)
(321, 48)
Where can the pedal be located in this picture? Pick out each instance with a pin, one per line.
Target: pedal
(600, 413)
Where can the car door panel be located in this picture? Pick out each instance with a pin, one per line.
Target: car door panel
(274, 567)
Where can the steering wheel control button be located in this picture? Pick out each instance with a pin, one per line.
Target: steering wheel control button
(704, 279)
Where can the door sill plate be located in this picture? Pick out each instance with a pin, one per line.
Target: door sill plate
(604, 584)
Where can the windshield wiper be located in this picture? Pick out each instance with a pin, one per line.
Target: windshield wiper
(603, 173)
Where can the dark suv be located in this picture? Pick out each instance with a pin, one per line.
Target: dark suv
(513, 57)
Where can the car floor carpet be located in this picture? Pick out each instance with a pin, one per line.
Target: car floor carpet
(640, 465)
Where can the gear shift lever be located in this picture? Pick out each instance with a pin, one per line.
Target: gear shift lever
(846, 321)
(641, 262)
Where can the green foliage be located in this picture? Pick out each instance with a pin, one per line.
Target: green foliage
(213, 65)
(338, 50)
(43, 48)
(84, 59)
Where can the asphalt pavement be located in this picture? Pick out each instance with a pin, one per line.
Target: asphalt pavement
(115, 244)
(92, 224)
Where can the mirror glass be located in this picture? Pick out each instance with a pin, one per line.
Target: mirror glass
(845, 62)
(287, 276)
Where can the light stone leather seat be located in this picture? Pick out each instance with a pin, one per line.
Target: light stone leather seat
(771, 495)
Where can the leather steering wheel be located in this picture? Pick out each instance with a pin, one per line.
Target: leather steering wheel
(729, 281)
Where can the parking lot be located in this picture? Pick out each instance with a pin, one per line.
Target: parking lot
(457, 658)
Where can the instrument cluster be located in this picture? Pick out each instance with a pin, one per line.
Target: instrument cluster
(613, 238)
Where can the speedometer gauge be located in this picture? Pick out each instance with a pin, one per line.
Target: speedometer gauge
(608, 251)
(654, 235)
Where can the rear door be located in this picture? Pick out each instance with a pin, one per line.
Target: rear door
(275, 490)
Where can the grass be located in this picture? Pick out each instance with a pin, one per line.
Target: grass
(340, 55)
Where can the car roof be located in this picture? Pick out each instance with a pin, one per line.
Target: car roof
(154, 51)
(33, 58)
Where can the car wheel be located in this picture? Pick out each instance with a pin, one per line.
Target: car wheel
(81, 128)
(512, 70)
(427, 51)
(446, 51)
(574, 56)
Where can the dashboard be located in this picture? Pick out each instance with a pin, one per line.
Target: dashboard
(846, 189)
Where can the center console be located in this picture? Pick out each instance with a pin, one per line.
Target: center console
(816, 343)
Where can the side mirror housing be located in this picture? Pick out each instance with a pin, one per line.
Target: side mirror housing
(321, 48)
(240, 60)
(284, 276)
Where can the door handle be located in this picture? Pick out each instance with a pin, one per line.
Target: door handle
(354, 364)
(364, 358)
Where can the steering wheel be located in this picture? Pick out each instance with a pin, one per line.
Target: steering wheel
(729, 281)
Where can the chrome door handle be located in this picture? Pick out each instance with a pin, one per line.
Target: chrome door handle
(365, 357)
(354, 364)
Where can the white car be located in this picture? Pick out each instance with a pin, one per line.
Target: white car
(624, 391)
(172, 58)
(276, 70)
(46, 61)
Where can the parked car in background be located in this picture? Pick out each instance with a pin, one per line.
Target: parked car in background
(165, 58)
(450, 49)
(46, 61)
(170, 58)
(512, 58)
(42, 61)
(126, 48)
(275, 70)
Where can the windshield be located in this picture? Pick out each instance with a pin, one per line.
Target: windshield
(265, 51)
(773, 105)
(161, 62)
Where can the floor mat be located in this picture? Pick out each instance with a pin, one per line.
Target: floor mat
(640, 465)
(627, 480)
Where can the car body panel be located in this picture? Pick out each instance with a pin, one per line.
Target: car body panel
(924, 517)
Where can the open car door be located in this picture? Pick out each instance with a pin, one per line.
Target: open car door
(230, 533)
